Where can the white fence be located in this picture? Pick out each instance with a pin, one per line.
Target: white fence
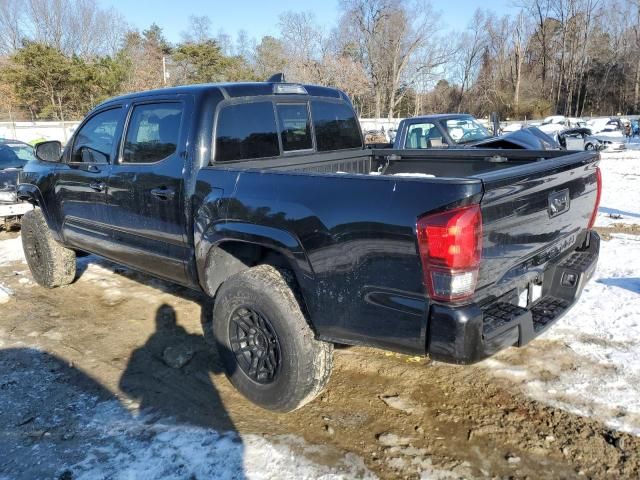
(378, 123)
(32, 132)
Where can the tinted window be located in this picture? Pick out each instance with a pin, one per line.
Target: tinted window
(295, 129)
(94, 141)
(247, 130)
(336, 126)
(153, 132)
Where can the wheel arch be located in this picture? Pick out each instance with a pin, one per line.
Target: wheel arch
(28, 192)
(229, 249)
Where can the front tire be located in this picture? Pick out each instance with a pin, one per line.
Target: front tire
(51, 264)
(266, 345)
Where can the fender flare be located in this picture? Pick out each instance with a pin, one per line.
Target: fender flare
(28, 192)
(210, 248)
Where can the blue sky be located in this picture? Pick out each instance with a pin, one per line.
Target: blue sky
(260, 17)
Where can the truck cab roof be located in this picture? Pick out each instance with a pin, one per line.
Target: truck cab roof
(240, 89)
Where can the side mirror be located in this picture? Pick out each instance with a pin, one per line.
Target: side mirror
(49, 151)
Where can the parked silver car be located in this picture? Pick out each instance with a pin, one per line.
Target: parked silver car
(582, 139)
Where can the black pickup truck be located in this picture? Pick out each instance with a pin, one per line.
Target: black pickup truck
(262, 196)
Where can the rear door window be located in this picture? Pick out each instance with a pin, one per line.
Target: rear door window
(335, 125)
(153, 132)
(295, 127)
(245, 131)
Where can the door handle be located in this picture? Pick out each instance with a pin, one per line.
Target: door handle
(163, 193)
(98, 186)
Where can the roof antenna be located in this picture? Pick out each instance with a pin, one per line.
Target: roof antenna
(277, 78)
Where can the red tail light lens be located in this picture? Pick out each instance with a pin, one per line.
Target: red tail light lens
(450, 246)
(592, 220)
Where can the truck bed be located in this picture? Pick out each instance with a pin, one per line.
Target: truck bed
(450, 163)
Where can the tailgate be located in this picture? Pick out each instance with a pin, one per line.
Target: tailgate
(532, 214)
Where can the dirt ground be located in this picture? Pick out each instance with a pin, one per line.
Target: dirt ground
(400, 414)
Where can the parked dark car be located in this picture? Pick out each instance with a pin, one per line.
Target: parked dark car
(262, 196)
(457, 130)
(14, 155)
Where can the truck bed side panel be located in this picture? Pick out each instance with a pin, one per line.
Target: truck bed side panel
(358, 234)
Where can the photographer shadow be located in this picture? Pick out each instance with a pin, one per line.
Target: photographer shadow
(169, 375)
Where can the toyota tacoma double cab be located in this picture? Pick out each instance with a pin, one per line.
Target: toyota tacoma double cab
(262, 196)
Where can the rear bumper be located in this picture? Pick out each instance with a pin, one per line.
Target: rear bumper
(469, 334)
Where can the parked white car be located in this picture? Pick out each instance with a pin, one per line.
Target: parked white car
(556, 123)
(604, 124)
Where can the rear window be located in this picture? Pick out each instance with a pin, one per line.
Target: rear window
(247, 130)
(335, 125)
(295, 129)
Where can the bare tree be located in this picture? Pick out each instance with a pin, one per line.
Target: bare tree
(519, 37)
(74, 27)
(539, 11)
(11, 25)
(471, 46)
(198, 29)
(392, 38)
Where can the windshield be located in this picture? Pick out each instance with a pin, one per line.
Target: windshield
(463, 130)
(15, 155)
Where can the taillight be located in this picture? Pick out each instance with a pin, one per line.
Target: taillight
(594, 214)
(450, 246)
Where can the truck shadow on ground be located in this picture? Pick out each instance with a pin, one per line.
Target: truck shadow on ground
(80, 428)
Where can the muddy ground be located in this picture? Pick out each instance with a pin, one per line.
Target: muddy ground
(400, 414)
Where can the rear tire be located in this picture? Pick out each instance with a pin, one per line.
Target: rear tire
(266, 346)
(51, 264)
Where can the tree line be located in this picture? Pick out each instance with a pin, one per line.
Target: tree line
(60, 58)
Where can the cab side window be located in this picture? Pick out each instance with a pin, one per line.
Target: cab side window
(245, 131)
(423, 135)
(335, 125)
(94, 141)
(153, 132)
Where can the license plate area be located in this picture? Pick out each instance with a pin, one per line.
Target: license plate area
(530, 295)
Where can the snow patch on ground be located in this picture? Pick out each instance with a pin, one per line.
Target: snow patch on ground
(11, 251)
(589, 362)
(145, 449)
(55, 416)
(5, 294)
(620, 201)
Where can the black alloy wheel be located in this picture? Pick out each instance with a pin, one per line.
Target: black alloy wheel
(255, 344)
